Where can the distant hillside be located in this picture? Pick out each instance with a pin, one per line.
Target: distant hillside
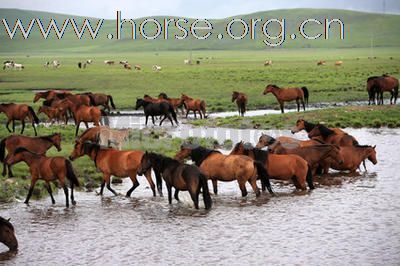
(360, 29)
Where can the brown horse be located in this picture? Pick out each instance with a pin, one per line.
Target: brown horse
(181, 176)
(353, 157)
(86, 114)
(315, 155)
(379, 85)
(288, 95)
(241, 101)
(148, 98)
(217, 166)
(37, 145)
(51, 95)
(47, 169)
(114, 162)
(279, 166)
(266, 140)
(7, 234)
(194, 105)
(54, 114)
(19, 112)
(177, 103)
(302, 124)
(101, 99)
(91, 134)
(331, 137)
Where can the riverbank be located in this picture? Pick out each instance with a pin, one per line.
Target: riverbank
(348, 116)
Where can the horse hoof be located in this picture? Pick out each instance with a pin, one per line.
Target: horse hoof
(74, 202)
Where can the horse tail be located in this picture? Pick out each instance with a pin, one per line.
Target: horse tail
(2, 149)
(206, 194)
(110, 98)
(263, 175)
(203, 108)
(71, 174)
(173, 113)
(310, 177)
(306, 94)
(34, 116)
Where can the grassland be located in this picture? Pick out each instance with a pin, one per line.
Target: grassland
(350, 116)
(213, 80)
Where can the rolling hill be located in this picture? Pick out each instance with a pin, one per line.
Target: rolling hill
(360, 29)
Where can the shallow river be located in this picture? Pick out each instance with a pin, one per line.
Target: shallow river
(355, 220)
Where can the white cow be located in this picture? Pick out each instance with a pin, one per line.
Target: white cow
(56, 64)
(19, 66)
(157, 68)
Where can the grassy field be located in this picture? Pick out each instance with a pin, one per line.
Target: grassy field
(213, 80)
(350, 116)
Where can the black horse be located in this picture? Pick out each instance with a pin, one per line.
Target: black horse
(156, 109)
(181, 176)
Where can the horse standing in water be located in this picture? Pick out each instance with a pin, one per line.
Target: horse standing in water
(114, 162)
(180, 176)
(48, 169)
(378, 85)
(331, 137)
(266, 140)
(302, 124)
(279, 166)
(155, 109)
(7, 234)
(217, 166)
(288, 95)
(19, 112)
(241, 101)
(195, 105)
(37, 145)
(175, 102)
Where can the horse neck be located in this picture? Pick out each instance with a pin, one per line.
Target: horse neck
(45, 143)
(29, 158)
(364, 154)
(308, 126)
(276, 91)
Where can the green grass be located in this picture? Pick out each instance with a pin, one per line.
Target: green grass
(155, 141)
(213, 80)
(351, 116)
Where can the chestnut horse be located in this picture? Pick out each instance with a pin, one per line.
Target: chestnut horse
(379, 85)
(175, 102)
(101, 99)
(302, 124)
(19, 112)
(183, 177)
(91, 134)
(288, 95)
(47, 169)
(353, 157)
(331, 137)
(37, 145)
(194, 105)
(54, 113)
(114, 162)
(86, 114)
(315, 155)
(217, 166)
(279, 166)
(51, 95)
(7, 234)
(266, 140)
(241, 101)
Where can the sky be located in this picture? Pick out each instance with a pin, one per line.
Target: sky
(189, 8)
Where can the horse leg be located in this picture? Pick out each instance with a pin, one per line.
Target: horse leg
(48, 187)
(162, 120)
(391, 97)
(66, 195)
(253, 184)
(147, 118)
(33, 182)
(77, 129)
(195, 198)
(215, 186)
(169, 188)
(176, 194)
(152, 118)
(194, 111)
(151, 183)
(298, 105)
(4, 168)
(13, 125)
(135, 184)
(242, 186)
(303, 103)
(10, 174)
(102, 187)
(170, 119)
(187, 113)
(34, 128)
(281, 105)
(87, 125)
(8, 123)
(108, 182)
(201, 116)
(72, 193)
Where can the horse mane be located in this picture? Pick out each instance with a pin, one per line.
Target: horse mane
(259, 154)
(5, 222)
(308, 126)
(164, 95)
(199, 154)
(325, 132)
(362, 146)
(371, 78)
(7, 104)
(275, 86)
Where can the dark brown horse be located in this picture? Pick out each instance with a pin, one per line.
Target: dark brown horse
(79, 99)
(101, 99)
(280, 166)
(315, 155)
(378, 85)
(353, 157)
(331, 137)
(288, 95)
(178, 175)
(217, 166)
(47, 169)
(86, 114)
(38, 145)
(266, 140)
(7, 234)
(195, 105)
(302, 124)
(241, 101)
(19, 112)
(54, 114)
(177, 103)
(114, 162)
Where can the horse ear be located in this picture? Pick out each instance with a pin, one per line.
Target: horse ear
(374, 147)
(8, 219)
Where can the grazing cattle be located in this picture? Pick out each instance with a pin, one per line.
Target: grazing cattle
(138, 67)
(321, 63)
(156, 68)
(109, 62)
(79, 65)
(124, 62)
(89, 61)
(268, 63)
(197, 62)
(127, 66)
(187, 62)
(8, 65)
(46, 64)
(338, 63)
(56, 64)
(19, 66)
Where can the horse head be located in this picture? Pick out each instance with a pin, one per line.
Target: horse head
(7, 234)
(298, 127)
(235, 95)
(265, 140)
(56, 140)
(372, 155)
(139, 103)
(269, 89)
